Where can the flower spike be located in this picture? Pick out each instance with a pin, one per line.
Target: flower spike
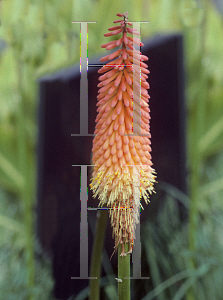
(122, 172)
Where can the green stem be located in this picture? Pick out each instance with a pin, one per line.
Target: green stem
(95, 269)
(123, 271)
(27, 190)
(196, 132)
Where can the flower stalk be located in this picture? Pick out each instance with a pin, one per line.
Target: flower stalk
(95, 269)
(123, 275)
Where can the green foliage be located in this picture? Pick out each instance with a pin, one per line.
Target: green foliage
(165, 247)
(13, 277)
(41, 39)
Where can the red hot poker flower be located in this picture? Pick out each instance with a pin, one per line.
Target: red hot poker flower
(122, 157)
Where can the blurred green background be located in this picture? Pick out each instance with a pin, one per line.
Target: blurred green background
(40, 38)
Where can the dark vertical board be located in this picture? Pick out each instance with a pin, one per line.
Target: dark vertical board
(58, 209)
